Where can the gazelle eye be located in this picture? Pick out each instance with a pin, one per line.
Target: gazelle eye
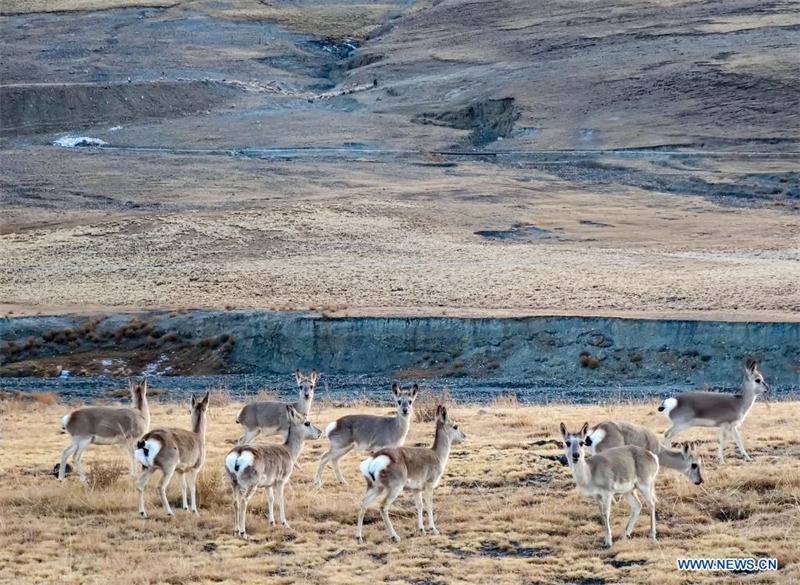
(307, 423)
(567, 443)
(694, 465)
(455, 427)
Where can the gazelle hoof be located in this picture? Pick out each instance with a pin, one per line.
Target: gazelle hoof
(607, 544)
(143, 514)
(285, 524)
(395, 538)
(435, 531)
(359, 540)
(421, 531)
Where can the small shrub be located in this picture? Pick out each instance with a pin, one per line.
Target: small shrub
(89, 326)
(150, 341)
(11, 348)
(45, 398)
(265, 395)
(171, 337)
(505, 400)
(219, 396)
(589, 361)
(427, 402)
(104, 475)
(49, 335)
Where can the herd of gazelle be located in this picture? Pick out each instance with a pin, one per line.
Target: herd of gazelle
(625, 458)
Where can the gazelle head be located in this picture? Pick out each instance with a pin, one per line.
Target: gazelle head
(753, 379)
(573, 443)
(443, 420)
(404, 398)
(199, 408)
(307, 384)
(693, 463)
(138, 391)
(301, 423)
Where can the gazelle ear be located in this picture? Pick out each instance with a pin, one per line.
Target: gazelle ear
(584, 430)
(314, 376)
(414, 391)
(292, 413)
(441, 413)
(395, 388)
(207, 397)
(298, 375)
(564, 432)
(194, 400)
(686, 448)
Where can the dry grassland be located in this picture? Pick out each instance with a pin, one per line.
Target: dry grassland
(507, 509)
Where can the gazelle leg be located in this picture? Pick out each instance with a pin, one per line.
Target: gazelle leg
(335, 462)
(235, 499)
(270, 504)
(636, 507)
(429, 503)
(372, 492)
(737, 437)
(672, 432)
(82, 444)
(182, 483)
(243, 510)
(323, 461)
(249, 435)
(281, 504)
(193, 489)
(387, 503)
(723, 430)
(605, 514)
(418, 504)
(166, 477)
(129, 449)
(64, 456)
(140, 484)
(649, 494)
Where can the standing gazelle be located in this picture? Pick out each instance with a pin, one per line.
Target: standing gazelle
(367, 432)
(712, 409)
(103, 425)
(620, 470)
(269, 417)
(250, 467)
(174, 450)
(418, 469)
(611, 434)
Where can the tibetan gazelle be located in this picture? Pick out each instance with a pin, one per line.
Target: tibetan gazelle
(367, 432)
(252, 466)
(620, 470)
(102, 425)
(174, 451)
(418, 469)
(609, 434)
(715, 409)
(269, 417)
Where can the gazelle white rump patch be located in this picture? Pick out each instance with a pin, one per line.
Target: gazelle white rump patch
(238, 462)
(147, 454)
(595, 438)
(372, 466)
(669, 405)
(329, 429)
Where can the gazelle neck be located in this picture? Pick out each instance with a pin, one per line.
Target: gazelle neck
(303, 405)
(672, 458)
(748, 397)
(199, 423)
(441, 443)
(580, 471)
(141, 405)
(294, 442)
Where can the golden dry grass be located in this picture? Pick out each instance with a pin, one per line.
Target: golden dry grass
(508, 512)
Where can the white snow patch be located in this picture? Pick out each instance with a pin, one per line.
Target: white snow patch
(115, 128)
(72, 141)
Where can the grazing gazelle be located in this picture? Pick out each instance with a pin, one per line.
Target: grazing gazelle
(418, 469)
(712, 409)
(269, 418)
(103, 425)
(252, 466)
(367, 432)
(611, 434)
(620, 470)
(174, 451)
